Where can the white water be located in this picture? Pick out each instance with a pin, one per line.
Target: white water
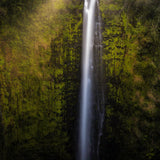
(87, 80)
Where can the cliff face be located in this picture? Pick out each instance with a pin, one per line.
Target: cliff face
(131, 53)
(39, 78)
(40, 52)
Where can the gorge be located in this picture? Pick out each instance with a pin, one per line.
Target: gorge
(79, 80)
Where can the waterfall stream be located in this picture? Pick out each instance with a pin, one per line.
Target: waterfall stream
(91, 89)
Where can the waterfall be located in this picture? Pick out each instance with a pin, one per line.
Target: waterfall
(99, 78)
(91, 93)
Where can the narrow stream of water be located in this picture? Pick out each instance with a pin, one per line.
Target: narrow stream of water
(92, 40)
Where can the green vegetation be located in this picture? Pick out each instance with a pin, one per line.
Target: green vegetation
(39, 78)
(131, 55)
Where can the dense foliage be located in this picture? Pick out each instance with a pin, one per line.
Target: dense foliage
(39, 78)
(131, 55)
(40, 52)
